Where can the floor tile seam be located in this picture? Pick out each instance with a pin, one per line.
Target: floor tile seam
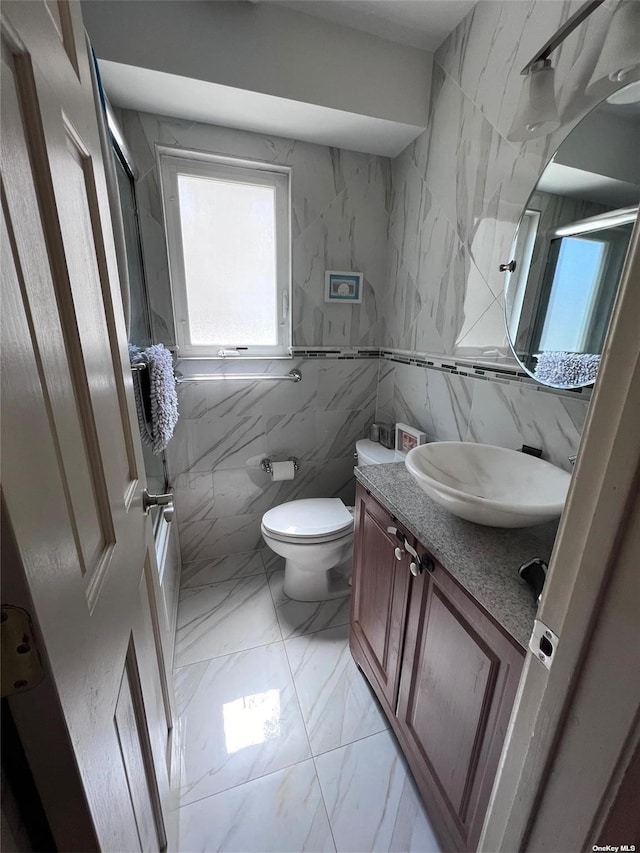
(260, 551)
(222, 557)
(217, 657)
(176, 669)
(279, 606)
(295, 687)
(235, 580)
(223, 608)
(297, 695)
(248, 782)
(226, 580)
(385, 728)
(275, 610)
(315, 755)
(405, 766)
(324, 803)
(350, 743)
(317, 630)
(231, 553)
(286, 643)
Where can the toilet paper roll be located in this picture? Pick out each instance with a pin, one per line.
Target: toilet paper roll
(282, 471)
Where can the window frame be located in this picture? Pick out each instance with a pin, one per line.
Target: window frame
(522, 252)
(174, 161)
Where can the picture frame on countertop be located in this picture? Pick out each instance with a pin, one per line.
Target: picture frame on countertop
(345, 287)
(408, 437)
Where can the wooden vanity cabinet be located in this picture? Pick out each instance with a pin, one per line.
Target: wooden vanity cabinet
(456, 676)
(378, 596)
(459, 676)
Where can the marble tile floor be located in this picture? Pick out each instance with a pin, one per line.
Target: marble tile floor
(284, 745)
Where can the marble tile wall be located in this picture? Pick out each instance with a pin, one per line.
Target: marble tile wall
(458, 191)
(340, 210)
(457, 194)
(428, 231)
(454, 407)
(227, 427)
(340, 203)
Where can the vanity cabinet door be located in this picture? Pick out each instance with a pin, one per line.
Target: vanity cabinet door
(379, 591)
(459, 678)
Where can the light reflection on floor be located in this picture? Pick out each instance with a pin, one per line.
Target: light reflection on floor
(251, 720)
(285, 747)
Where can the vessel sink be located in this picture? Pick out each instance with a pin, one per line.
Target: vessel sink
(489, 485)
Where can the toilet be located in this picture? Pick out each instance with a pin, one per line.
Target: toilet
(315, 536)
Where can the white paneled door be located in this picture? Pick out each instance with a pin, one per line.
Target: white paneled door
(80, 548)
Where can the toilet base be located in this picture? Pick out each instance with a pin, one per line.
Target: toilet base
(304, 585)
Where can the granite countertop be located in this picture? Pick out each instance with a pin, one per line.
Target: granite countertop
(484, 560)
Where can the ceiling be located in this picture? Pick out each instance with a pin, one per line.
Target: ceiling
(139, 75)
(587, 186)
(164, 94)
(418, 23)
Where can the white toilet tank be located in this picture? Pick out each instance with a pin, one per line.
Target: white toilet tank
(372, 453)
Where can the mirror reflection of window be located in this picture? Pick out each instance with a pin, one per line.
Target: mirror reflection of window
(576, 281)
(582, 277)
(560, 297)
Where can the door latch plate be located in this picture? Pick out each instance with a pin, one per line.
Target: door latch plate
(543, 643)
(21, 664)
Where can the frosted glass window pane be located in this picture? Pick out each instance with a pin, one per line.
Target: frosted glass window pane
(229, 244)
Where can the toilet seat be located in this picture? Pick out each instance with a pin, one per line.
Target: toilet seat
(308, 540)
(312, 521)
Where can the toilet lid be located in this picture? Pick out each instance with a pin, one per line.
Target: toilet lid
(309, 517)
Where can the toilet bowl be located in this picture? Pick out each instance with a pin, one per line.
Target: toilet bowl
(315, 536)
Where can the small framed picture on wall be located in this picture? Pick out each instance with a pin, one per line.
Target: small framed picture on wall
(407, 438)
(342, 286)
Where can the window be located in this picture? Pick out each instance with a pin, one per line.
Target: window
(228, 235)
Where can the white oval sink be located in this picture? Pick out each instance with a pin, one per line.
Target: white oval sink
(489, 485)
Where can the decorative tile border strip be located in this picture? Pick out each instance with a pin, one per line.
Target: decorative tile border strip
(483, 370)
(336, 352)
(503, 374)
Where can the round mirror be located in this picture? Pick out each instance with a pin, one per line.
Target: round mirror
(570, 246)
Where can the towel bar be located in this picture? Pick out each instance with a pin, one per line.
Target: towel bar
(292, 376)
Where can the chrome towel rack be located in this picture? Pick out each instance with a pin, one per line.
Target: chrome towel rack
(292, 376)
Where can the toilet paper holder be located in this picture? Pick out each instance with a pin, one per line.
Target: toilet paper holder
(266, 464)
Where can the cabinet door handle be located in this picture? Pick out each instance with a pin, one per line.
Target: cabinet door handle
(417, 567)
(399, 553)
(411, 551)
(400, 535)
